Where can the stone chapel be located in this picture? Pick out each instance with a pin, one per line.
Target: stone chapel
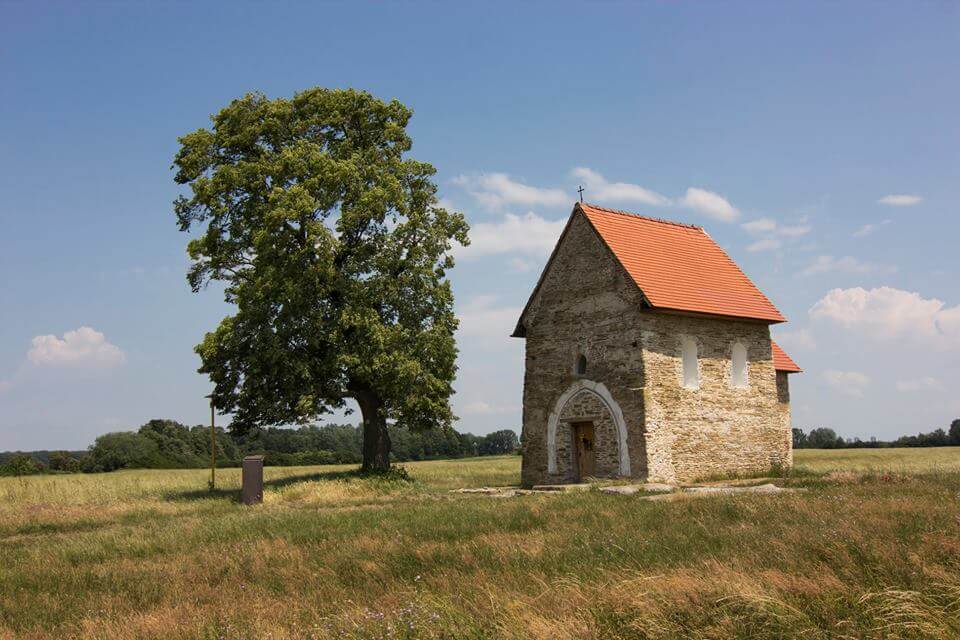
(648, 355)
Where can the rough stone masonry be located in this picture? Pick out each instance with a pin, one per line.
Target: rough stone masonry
(597, 351)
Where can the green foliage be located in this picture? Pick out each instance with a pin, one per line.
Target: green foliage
(823, 438)
(799, 438)
(427, 445)
(499, 443)
(20, 464)
(167, 444)
(185, 447)
(826, 439)
(123, 450)
(936, 438)
(342, 444)
(327, 444)
(161, 444)
(333, 249)
(330, 444)
(64, 461)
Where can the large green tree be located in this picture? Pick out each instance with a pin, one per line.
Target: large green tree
(332, 246)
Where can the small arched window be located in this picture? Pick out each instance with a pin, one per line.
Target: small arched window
(738, 366)
(581, 365)
(691, 372)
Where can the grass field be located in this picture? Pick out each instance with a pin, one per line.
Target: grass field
(871, 549)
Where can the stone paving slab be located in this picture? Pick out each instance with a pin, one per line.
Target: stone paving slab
(661, 491)
(630, 489)
(693, 493)
(760, 488)
(563, 488)
(490, 491)
(733, 482)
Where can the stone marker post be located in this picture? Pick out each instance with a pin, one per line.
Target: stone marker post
(252, 492)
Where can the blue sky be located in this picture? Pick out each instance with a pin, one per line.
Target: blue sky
(783, 129)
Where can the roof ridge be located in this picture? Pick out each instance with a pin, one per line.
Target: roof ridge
(631, 214)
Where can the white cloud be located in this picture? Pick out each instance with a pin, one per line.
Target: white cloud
(83, 347)
(867, 229)
(484, 408)
(495, 190)
(761, 225)
(710, 204)
(900, 200)
(801, 338)
(481, 318)
(528, 234)
(846, 264)
(770, 233)
(852, 383)
(765, 244)
(919, 384)
(794, 231)
(445, 203)
(890, 313)
(521, 265)
(764, 226)
(598, 189)
(498, 190)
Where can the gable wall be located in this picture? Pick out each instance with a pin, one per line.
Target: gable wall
(584, 305)
(716, 430)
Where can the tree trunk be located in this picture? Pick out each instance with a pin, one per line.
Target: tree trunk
(376, 438)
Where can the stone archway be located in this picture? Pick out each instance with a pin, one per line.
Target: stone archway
(585, 391)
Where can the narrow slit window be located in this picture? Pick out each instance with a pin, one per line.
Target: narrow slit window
(691, 373)
(581, 365)
(738, 373)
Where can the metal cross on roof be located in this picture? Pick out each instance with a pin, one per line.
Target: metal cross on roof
(580, 191)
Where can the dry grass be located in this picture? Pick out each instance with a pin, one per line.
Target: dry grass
(871, 550)
(926, 460)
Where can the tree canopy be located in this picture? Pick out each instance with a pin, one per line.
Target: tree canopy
(334, 251)
(499, 443)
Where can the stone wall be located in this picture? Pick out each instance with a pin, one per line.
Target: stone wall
(585, 305)
(718, 429)
(783, 401)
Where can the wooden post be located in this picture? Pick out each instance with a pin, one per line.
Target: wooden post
(213, 447)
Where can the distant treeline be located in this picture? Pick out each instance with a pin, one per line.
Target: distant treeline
(166, 444)
(824, 438)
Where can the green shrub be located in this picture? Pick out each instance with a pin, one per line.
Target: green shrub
(20, 464)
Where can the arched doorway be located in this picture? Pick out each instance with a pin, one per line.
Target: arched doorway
(586, 434)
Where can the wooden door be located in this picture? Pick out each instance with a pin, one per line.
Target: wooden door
(583, 438)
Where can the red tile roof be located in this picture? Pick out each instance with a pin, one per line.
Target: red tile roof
(783, 362)
(679, 267)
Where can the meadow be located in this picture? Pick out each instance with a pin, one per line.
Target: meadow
(869, 549)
